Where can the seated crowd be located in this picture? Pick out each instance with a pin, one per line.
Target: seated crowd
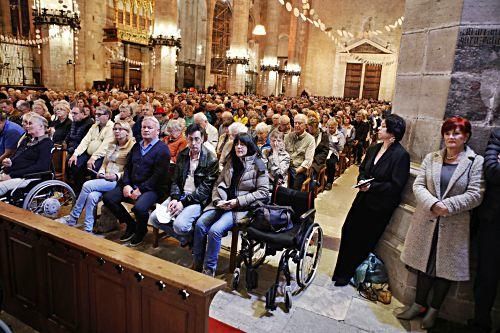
(198, 159)
(193, 163)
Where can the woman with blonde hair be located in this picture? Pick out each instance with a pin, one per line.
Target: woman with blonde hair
(107, 176)
(175, 138)
(40, 108)
(60, 127)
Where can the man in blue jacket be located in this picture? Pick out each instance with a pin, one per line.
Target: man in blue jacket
(145, 182)
(10, 133)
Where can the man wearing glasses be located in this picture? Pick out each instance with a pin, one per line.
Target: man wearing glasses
(89, 154)
(195, 173)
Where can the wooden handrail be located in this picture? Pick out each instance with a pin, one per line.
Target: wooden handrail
(156, 268)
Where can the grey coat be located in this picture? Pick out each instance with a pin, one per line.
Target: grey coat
(465, 191)
(253, 185)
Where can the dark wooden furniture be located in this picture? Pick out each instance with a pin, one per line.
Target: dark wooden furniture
(60, 279)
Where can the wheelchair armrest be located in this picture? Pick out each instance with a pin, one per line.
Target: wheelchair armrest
(38, 175)
(306, 215)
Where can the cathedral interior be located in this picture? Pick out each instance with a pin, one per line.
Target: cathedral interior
(423, 62)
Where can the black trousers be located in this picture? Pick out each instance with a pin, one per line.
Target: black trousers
(142, 206)
(361, 231)
(331, 163)
(488, 272)
(79, 172)
(358, 151)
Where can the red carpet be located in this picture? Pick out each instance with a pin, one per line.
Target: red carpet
(215, 326)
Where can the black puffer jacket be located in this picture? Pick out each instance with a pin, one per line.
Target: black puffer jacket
(490, 208)
(205, 176)
(77, 132)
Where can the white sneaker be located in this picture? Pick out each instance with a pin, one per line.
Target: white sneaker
(68, 220)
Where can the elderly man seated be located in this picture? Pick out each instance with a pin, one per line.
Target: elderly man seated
(10, 133)
(300, 145)
(210, 131)
(34, 154)
(145, 182)
(195, 173)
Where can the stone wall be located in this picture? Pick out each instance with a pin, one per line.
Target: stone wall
(448, 65)
(353, 16)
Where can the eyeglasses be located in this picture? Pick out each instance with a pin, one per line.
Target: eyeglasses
(100, 114)
(116, 129)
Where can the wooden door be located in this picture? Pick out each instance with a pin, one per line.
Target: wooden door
(371, 83)
(118, 73)
(352, 80)
(134, 53)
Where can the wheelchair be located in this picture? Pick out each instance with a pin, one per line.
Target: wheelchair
(44, 195)
(302, 244)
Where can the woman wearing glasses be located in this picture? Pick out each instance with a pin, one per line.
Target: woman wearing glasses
(107, 176)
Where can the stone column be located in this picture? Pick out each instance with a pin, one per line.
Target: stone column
(5, 25)
(448, 65)
(57, 74)
(209, 78)
(126, 66)
(296, 47)
(146, 59)
(270, 57)
(165, 25)
(238, 48)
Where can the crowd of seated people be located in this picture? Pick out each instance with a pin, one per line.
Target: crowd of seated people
(193, 163)
(182, 155)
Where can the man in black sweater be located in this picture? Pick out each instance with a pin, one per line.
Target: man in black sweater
(145, 182)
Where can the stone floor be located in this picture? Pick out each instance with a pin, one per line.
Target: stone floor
(321, 307)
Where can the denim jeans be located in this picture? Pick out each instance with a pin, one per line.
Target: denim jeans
(211, 226)
(89, 197)
(183, 223)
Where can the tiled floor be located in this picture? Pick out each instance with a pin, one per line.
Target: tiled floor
(322, 307)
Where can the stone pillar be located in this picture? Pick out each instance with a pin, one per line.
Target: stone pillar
(57, 74)
(5, 25)
(126, 66)
(165, 25)
(296, 46)
(209, 78)
(145, 69)
(238, 48)
(270, 58)
(448, 65)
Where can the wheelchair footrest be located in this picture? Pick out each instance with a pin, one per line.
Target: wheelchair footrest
(271, 298)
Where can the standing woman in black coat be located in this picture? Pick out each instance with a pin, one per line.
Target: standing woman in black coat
(389, 164)
(488, 270)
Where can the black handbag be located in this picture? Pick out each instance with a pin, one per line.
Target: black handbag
(272, 218)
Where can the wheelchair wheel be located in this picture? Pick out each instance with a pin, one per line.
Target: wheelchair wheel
(61, 195)
(236, 279)
(310, 254)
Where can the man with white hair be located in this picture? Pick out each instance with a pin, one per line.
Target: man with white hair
(300, 145)
(233, 129)
(212, 133)
(145, 182)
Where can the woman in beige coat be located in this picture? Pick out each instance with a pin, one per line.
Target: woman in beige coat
(448, 186)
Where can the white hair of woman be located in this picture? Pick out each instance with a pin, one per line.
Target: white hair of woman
(173, 124)
(236, 128)
(262, 128)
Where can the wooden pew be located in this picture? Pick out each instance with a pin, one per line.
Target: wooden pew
(60, 279)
